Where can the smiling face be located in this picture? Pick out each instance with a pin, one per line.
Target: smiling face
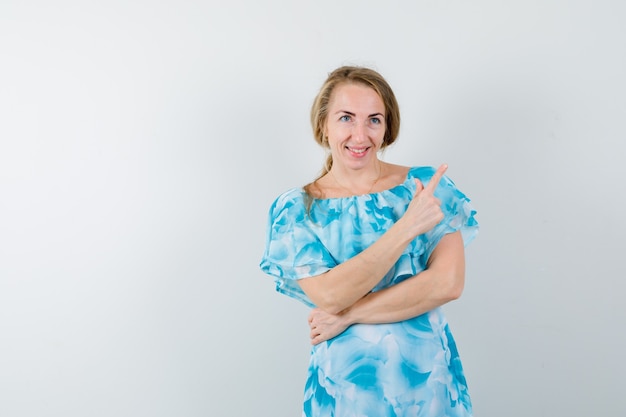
(355, 126)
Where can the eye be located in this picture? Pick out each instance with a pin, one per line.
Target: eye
(375, 120)
(344, 118)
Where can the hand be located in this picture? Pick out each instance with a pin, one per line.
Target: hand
(324, 326)
(424, 211)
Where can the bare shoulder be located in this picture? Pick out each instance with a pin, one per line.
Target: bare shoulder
(393, 175)
(396, 170)
(320, 188)
(313, 190)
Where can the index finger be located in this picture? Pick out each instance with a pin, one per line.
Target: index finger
(434, 181)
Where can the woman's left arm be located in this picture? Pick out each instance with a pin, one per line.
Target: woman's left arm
(442, 281)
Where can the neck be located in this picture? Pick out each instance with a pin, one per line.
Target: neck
(356, 182)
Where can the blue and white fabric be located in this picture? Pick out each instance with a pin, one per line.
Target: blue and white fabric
(409, 368)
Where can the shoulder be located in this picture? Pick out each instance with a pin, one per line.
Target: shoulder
(421, 172)
(292, 201)
(425, 173)
(410, 172)
(446, 189)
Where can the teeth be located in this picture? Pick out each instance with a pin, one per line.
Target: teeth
(357, 150)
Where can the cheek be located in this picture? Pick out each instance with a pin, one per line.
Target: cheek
(338, 132)
(380, 135)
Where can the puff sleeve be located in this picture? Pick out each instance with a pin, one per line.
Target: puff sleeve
(292, 248)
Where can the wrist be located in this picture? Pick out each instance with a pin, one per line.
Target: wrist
(348, 317)
(353, 314)
(401, 232)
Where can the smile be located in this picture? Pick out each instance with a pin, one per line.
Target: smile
(357, 151)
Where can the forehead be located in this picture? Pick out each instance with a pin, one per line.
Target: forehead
(354, 96)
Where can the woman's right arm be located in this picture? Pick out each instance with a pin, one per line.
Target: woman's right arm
(345, 284)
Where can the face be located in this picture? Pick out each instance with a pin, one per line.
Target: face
(355, 126)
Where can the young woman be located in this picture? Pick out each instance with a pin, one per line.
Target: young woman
(375, 249)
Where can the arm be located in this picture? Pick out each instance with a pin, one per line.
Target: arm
(345, 284)
(441, 282)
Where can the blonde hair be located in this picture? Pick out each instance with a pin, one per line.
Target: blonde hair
(358, 75)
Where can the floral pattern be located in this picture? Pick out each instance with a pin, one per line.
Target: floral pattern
(409, 368)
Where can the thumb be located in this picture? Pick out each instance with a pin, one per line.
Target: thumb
(418, 186)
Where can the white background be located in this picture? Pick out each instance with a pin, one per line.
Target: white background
(142, 143)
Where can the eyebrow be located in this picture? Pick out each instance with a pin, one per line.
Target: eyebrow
(353, 114)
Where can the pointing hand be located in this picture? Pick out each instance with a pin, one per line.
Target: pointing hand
(424, 211)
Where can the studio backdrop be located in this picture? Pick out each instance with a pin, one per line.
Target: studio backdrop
(142, 143)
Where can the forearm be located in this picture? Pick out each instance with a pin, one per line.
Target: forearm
(410, 298)
(403, 301)
(345, 284)
(441, 282)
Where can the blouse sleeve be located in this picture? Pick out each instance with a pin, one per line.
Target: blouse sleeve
(458, 213)
(292, 249)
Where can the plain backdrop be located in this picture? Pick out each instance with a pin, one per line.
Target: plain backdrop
(142, 143)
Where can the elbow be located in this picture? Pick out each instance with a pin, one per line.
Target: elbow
(325, 297)
(334, 310)
(453, 289)
(330, 305)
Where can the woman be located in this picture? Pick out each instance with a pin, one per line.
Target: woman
(375, 249)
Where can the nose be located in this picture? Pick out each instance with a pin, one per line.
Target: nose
(359, 132)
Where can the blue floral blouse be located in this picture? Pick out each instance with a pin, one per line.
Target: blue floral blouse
(408, 368)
